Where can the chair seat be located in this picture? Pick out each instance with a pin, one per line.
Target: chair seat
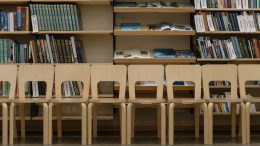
(107, 100)
(146, 101)
(254, 99)
(186, 101)
(224, 100)
(30, 100)
(69, 100)
(4, 100)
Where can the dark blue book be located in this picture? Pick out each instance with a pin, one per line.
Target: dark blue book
(164, 53)
(130, 26)
(185, 54)
(125, 4)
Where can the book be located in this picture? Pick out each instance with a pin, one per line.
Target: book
(164, 53)
(185, 54)
(134, 53)
(130, 27)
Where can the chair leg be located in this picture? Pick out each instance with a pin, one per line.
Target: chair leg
(83, 124)
(50, 123)
(171, 124)
(45, 124)
(197, 120)
(210, 123)
(59, 121)
(90, 108)
(133, 122)
(206, 123)
(12, 121)
(5, 124)
(243, 123)
(158, 122)
(123, 123)
(129, 123)
(163, 124)
(248, 121)
(22, 116)
(233, 119)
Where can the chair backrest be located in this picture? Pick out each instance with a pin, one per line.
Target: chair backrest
(219, 73)
(146, 73)
(36, 72)
(183, 73)
(75, 72)
(104, 73)
(9, 73)
(247, 73)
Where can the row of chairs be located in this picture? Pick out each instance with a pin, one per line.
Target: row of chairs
(97, 73)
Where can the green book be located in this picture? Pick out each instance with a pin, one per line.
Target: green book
(1, 50)
(73, 19)
(76, 17)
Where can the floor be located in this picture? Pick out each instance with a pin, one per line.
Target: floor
(141, 139)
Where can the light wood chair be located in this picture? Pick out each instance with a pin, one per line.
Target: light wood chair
(247, 73)
(8, 73)
(32, 73)
(101, 73)
(75, 72)
(190, 73)
(146, 73)
(220, 73)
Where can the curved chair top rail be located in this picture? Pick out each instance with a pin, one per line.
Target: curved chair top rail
(72, 72)
(183, 73)
(9, 73)
(249, 72)
(101, 73)
(43, 72)
(219, 73)
(146, 73)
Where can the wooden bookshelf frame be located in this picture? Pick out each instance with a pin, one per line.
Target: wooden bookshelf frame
(229, 9)
(88, 32)
(155, 61)
(227, 33)
(79, 2)
(153, 10)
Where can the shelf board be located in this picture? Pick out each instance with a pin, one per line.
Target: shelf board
(155, 61)
(228, 9)
(96, 32)
(228, 33)
(153, 88)
(229, 60)
(145, 31)
(14, 32)
(13, 1)
(153, 10)
(79, 2)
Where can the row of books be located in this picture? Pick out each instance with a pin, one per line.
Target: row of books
(164, 26)
(239, 4)
(152, 4)
(55, 17)
(221, 107)
(228, 48)
(49, 49)
(227, 21)
(17, 20)
(155, 53)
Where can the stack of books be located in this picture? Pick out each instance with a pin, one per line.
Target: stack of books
(238, 4)
(55, 17)
(49, 49)
(228, 48)
(152, 4)
(15, 21)
(227, 21)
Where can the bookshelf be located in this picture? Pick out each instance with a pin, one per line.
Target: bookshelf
(227, 33)
(152, 10)
(229, 9)
(155, 61)
(91, 32)
(79, 2)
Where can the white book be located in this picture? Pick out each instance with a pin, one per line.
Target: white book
(231, 50)
(197, 4)
(74, 49)
(49, 48)
(245, 4)
(204, 4)
(221, 49)
(240, 23)
(72, 88)
(197, 23)
(11, 21)
(252, 21)
(210, 23)
(203, 27)
(238, 4)
(67, 89)
(258, 20)
(35, 89)
(247, 23)
(34, 23)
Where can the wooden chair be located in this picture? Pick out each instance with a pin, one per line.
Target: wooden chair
(191, 73)
(7, 73)
(75, 72)
(247, 73)
(146, 73)
(100, 73)
(220, 73)
(32, 73)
